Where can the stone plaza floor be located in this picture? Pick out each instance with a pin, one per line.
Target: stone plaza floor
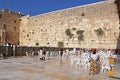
(21, 68)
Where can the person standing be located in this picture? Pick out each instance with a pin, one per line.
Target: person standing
(40, 54)
(61, 53)
(43, 54)
(94, 67)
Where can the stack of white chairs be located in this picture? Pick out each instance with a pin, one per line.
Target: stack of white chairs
(32, 54)
(1, 55)
(51, 54)
(66, 54)
(104, 61)
(39, 54)
(74, 58)
(83, 61)
(105, 66)
(47, 54)
(27, 55)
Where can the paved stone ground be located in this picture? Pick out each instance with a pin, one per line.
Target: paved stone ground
(51, 69)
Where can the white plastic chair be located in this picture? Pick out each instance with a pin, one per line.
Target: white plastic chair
(105, 64)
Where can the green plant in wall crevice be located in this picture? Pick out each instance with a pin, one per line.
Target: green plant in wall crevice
(60, 44)
(68, 33)
(37, 44)
(80, 35)
(73, 28)
(80, 32)
(99, 32)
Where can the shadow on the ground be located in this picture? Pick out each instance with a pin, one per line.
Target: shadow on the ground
(115, 77)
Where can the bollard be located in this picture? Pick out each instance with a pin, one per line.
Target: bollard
(111, 71)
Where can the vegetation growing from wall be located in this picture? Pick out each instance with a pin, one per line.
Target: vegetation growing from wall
(68, 33)
(80, 32)
(74, 29)
(99, 32)
(37, 44)
(80, 35)
(60, 44)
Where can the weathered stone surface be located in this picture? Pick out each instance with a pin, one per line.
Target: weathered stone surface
(9, 27)
(50, 27)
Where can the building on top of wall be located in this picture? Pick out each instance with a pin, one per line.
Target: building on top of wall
(9, 27)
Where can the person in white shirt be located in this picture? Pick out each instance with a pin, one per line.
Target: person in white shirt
(94, 68)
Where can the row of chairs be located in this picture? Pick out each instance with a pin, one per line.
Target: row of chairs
(82, 60)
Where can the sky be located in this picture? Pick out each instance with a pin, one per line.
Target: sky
(35, 7)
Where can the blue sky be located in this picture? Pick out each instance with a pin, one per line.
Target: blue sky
(34, 7)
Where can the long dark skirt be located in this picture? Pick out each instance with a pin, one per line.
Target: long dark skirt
(94, 67)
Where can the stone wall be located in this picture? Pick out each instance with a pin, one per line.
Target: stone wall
(49, 28)
(9, 26)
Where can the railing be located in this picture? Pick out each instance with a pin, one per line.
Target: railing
(8, 51)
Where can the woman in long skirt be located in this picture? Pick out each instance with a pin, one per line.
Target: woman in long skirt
(94, 66)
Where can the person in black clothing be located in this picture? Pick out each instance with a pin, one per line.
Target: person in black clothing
(61, 52)
(43, 54)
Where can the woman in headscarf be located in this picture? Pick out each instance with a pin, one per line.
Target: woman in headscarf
(94, 67)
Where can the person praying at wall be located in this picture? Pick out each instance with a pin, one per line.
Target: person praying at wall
(61, 53)
(43, 54)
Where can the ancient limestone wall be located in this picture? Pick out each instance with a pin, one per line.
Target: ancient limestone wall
(9, 26)
(49, 28)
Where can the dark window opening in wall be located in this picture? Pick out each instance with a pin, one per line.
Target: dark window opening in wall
(4, 27)
(14, 21)
(82, 14)
(15, 28)
(0, 15)
(119, 27)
